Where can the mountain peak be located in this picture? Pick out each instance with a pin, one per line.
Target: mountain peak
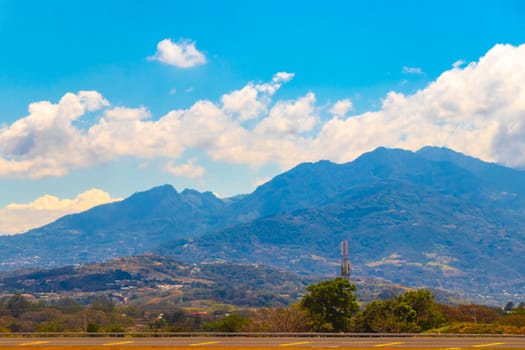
(154, 193)
(389, 155)
(166, 188)
(438, 153)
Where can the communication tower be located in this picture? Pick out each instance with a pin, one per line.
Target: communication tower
(345, 263)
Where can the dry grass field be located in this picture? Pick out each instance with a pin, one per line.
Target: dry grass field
(101, 347)
(190, 347)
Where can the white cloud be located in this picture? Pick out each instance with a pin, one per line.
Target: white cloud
(182, 55)
(244, 103)
(46, 143)
(478, 109)
(252, 101)
(290, 117)
(188, 169)
(412, 70)
(20, 217)
(128, 132)
(282, 77)
(341, 107)
(124, 114)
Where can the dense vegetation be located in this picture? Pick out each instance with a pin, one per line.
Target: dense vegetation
(328, 306)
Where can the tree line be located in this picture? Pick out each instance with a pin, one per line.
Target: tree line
(327, 306)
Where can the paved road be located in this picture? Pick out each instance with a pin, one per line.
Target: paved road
(449, 343)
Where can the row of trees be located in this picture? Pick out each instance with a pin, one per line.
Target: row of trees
(331, 306)
(328, 306)
(18, 314)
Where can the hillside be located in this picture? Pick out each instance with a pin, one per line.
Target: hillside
(434, 218)
(397, 232)
(155, 282)
(132, 226)
(144, 276)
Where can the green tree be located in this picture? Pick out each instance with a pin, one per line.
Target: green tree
(114, 328)
(509, 306)
(103, 303)
(176, 317)
(427, 313)
(515, 318)
(388, 316)
(410, 312)
(50, 326)
(330, 304)
(17, 305)
(92, 327)
(68, 305)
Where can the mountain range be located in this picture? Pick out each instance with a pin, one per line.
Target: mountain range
(432, 218)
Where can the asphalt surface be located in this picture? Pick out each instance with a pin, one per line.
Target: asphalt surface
(449, 343)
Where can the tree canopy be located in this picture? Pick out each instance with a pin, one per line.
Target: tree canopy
(330, 304)
(414, 311)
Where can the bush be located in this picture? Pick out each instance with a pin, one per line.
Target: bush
(92, 327)
(411, 312)
(231, 323)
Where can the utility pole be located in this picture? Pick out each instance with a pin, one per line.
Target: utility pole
(345, 262)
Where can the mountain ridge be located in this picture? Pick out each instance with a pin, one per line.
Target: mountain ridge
(412, 217)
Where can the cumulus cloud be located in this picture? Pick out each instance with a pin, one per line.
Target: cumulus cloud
(341, 108)
(253, 100)
(188, 170)
(244, 103)
(20, 217)
(290, 117)
(46, 143)
(477, 108)
(127, 114)
(183, 54)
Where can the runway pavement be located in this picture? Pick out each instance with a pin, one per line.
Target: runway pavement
(449, 343)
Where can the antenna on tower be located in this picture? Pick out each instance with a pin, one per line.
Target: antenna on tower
(345, 263)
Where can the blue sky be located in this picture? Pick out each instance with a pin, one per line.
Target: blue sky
(222, 96)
